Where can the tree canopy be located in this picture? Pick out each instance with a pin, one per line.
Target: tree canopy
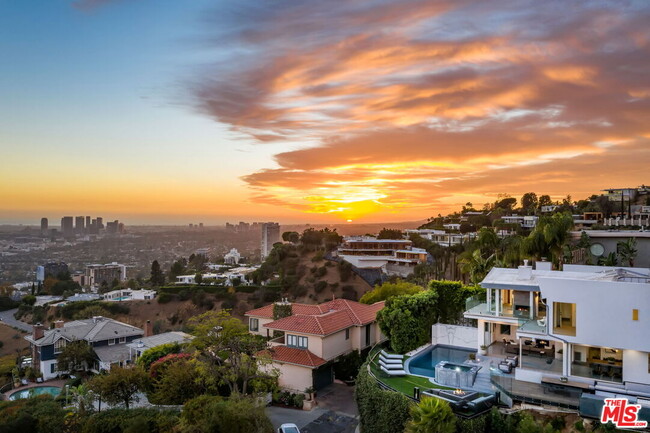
(388, 290)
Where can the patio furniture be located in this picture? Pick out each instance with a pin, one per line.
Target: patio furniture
(24, 381)
(390, 355)
(505, 366)
(542, 322)
(514, 360)
(391, 366)
(39, 380)
(390, 361)
(393, 372)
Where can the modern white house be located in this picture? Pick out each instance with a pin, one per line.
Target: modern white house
(585, 324)
(232, 257)
(129, 295)
(391, 256)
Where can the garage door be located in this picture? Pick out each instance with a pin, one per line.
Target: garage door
(323, 376)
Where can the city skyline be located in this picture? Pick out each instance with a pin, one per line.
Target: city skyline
(373, 111)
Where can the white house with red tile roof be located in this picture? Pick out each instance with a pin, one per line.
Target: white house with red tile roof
(314, 336)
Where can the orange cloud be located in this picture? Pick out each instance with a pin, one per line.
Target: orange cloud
(418, 105)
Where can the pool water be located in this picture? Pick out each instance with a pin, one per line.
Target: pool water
(425, 362)
(33, 392)
(122, 298)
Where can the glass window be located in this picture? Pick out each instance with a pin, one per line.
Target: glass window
(347, 334)
(296, 341)
(254, 325)
(505, 329)
(111, 341)
(59, 345)
(53, 368)
(122, 339)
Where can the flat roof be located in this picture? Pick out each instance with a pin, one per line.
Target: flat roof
(500, 278)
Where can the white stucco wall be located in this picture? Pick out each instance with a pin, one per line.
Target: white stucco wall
(603, 311)
(294, 377)
(336, 344)
(452, 335)
(635, 367)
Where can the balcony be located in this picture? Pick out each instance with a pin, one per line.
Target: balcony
(480, 307)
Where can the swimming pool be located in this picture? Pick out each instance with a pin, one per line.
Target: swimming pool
(425, 362)
(33, 392)
(122, 298)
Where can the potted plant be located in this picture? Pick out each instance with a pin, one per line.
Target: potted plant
(311, 392)
(483, 350)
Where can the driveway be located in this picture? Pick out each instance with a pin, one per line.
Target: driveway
(338, 398)
(301, 418)
(8, 318)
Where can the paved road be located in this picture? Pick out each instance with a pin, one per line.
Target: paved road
(8, 318)
(281, 415)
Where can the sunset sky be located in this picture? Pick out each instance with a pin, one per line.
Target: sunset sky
(167, 111)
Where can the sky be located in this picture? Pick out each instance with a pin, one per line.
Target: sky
(168, 112)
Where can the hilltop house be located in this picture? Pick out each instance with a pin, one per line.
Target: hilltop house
(114, 343)
(308, 341)
(391, 256)
(586, 323)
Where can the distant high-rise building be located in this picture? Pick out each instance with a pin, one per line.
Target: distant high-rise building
(113, 227)
(270, 236)
(96, 275)
(66, 226)
(87, 223)
(44, 224)
(79, 224)
(100, 223)
(52, 269)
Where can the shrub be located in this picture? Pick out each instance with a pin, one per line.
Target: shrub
(164, 298)
(432, 415)
(347, 366)
(320, 286)
(119, 420)
(380, 411)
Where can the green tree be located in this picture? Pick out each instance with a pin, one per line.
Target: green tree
(177, 382)
(389, 290)
(120, 385)
(476, 266)
(293, 237)
(557, 234)
(389, 234)
(177, 268)
(431, 415)
(157, 276)
(627, 251)
(75, 356)
(406, 320)
(207, 414)
(545, 200)
(529, 203)
(230, 355)
(198, 278)
(155, 353)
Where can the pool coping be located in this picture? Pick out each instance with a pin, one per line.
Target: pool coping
(57, 383)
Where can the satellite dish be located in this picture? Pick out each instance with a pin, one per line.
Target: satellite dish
(597, 250)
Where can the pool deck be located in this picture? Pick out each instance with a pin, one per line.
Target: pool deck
(59, 383)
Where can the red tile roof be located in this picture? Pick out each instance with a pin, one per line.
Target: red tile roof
(323, 319)
(293, 355)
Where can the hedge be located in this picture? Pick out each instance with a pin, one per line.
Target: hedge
(380, 411)
(68, 311)
(132, 420)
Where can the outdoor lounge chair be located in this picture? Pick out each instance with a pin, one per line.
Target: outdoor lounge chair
(391, 366)
(39, 380)
(24, 381)
(390, 355)
(393, 372)
(390, 361)
(505, 366)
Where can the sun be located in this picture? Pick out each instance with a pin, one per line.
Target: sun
(349, 221)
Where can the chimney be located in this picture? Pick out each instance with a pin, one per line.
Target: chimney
(525, 271)
(148, 329)
(59, 324)
(39, 332)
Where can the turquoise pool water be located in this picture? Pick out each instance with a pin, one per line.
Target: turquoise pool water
(33, 392)
(425, 362)
(122, 298)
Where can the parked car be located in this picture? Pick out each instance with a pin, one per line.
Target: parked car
(288, 428)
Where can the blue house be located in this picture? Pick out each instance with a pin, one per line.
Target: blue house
(108, 337)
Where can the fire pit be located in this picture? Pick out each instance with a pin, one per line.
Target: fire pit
(458, 395)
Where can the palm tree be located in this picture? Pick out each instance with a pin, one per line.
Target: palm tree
(432, 415)
(476, 265)
(556, 234)
(82, 397)
(627, 251)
